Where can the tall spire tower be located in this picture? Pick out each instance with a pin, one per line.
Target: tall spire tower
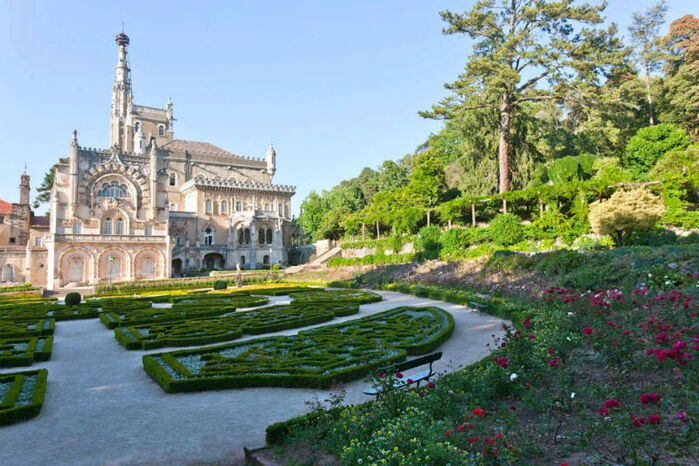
(122, 99)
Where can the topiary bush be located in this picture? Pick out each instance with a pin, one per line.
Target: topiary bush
(276, 268)
(624, 213)
(505, 230)
(220, 285)
(649, 144)
(73, 299)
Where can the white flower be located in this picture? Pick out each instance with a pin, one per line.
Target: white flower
(572, 395)
(570, 313)
(513, 377)
(568, 338)
(669, 282)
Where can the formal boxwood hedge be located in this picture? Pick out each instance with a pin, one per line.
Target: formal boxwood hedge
(26, 328)
(23, 351)
(24, 311)
(334, 296)
(312, 358)
(230, 327)
(21, 395)
(180, 311)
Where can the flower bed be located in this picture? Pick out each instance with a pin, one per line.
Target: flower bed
(180, 311)
(23, 351)
(227, 328)
(601, 377)
(26, 328)
(21, 395)
(334, 296)
(312, 358)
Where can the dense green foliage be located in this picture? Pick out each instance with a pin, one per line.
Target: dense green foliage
(21, 395)
(220, 285)
(312, 358)
(23, 351)
(26, 328)
(577, 128)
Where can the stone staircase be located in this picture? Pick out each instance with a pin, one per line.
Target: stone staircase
(316, 263)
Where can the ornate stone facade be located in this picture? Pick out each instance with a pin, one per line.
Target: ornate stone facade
(152, 206)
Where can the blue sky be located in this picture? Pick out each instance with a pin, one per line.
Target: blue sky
(336, 85)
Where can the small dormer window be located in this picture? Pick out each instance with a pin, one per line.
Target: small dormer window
(161, 130)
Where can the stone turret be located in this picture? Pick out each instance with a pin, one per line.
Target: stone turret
(121, 98)
(74, 168)
(24, 189)
(271, 160)
(153, 179)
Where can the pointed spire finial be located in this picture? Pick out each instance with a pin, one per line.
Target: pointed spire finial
(75, 135)
(25, 168)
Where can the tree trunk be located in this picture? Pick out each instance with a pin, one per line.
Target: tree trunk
(428, 216)
(504, 145)
(378, 231)
(363, 232)
(650, 97)
(473, 213)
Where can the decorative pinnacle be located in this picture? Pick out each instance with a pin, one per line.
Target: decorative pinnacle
(122, 39)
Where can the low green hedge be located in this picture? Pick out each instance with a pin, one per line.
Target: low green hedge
(226, 328)
(335, 296)
(23, 351)
(26, 328)
(372, 259)
(181, 310)
(312, 358)
(25, 311)
(21, 395)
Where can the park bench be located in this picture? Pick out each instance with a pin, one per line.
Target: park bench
(414, 377)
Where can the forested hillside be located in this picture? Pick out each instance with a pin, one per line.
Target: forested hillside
(554, 109)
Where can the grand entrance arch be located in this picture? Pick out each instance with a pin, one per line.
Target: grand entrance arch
(177, 267)
(214, 260)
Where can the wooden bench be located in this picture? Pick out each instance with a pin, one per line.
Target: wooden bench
(414, 377)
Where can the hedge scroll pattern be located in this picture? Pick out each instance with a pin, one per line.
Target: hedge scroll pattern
(335, 296)
(312, 358)
(21, 395)
(230, 327)
(24, 351)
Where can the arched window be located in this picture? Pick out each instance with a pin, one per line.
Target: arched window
(208, 236)
(113, 189)
(267, 207)
(261, 237)
(265, 260)
(161, 130)
(238, 206)
(224, 207)
(247, 236)
(148, 268)
(107, 226)
(280, 209)
(286, 211)
(120, 226)
(241, 235)
(209, 206)
(269, 236)
(77, 228)
(148, 229)
(242, 260)
(173, 179)
(136, 126)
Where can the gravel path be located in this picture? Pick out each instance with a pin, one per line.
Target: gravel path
(102, 408)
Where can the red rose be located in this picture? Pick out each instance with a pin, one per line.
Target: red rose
(399, 375)
(587, 330)
(654, 419)
(479, 412)
(430, 385)
(612, 403)
(447, 432)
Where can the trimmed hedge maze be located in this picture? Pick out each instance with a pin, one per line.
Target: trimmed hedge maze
(312, 358)
(335, 296)
(23, 351)
(26, 328)
(226, 328)
(145, 314)
(59, 312)
(21, 395)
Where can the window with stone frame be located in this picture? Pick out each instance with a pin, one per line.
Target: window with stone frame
(173, 179)
(238, 206)
(77, 228)
(161, 130)
(120, 226)
(208, 206)
(107, 226)
(208, 236)
(269, 236)
(148, 229)
(113, 189)
(224, 207)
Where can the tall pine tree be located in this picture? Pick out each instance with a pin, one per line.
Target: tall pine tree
(526, 51)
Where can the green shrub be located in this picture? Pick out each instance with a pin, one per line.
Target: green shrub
(571, 168)
(276, 267)
(25, 396)
(455, 242)
(624, 213)
(655, 237)
(651, 143)
(505, 230)
(428, 239)
(220, 285)
(73, 299)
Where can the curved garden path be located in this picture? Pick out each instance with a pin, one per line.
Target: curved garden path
(102, 408)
